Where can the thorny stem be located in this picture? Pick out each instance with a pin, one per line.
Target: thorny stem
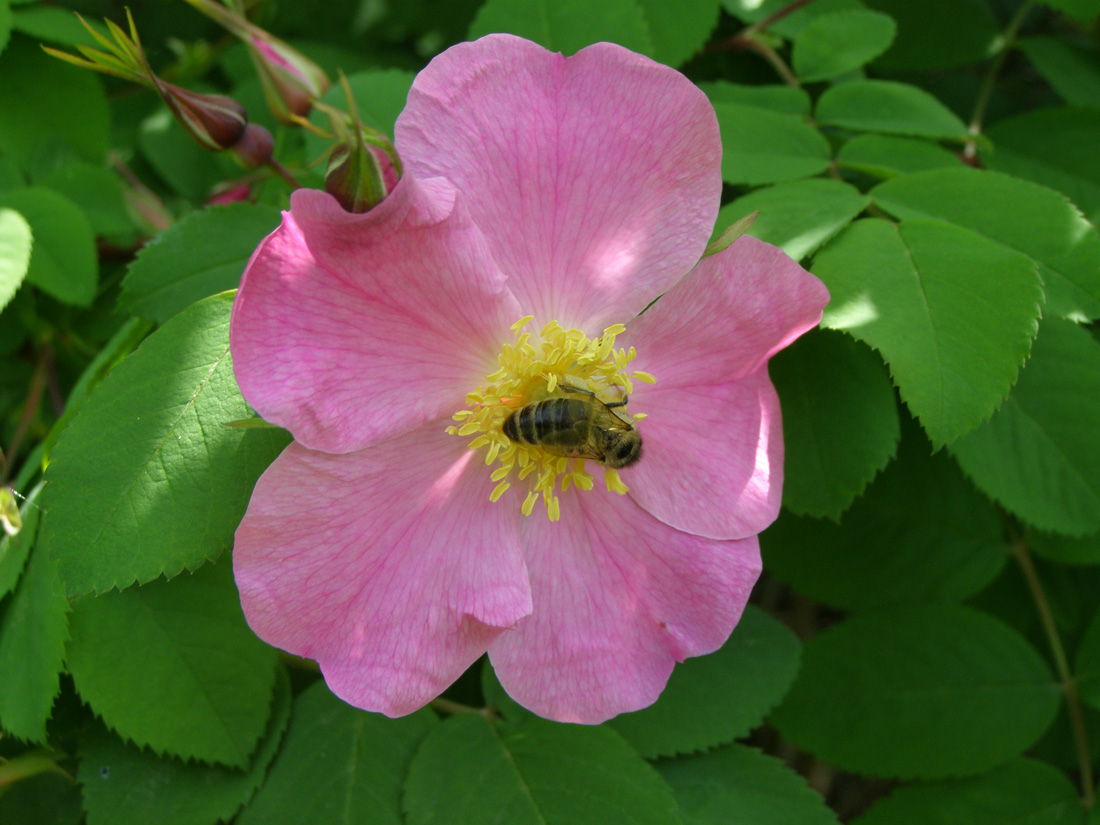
(34, 396)
(1008, 41)
(1061, 665)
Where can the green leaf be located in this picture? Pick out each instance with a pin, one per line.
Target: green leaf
(1017, 214)
(931, 691)
(173, 665)
(42, 799)
(886, 156)
(1039, 456)
(840, 421)
(737, 784)
(837, 43)
(33, 630)
(126, 785)
(98, 193)
(1082, 10)
(1022, 791)
(1087, 665)
(339, 765)
(15, 252)
(15, 549)
(679, 30)
(1073, 72)
(952, 313)
(1066, 549)
(887, 106)
(47, 102)
(55, 25)
(714, 699)
(63, 255)
(566, 25)
(185, 166)
(938, 34)
(798, 216)
(379, 96)
(469, 772)
(920, 533)
(763, 146)
(781, 99)
(146, 464)
(5, 24)
(1052, 147)
(199, 256)
(788, 25)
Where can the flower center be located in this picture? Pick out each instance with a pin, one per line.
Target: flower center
(549, 442)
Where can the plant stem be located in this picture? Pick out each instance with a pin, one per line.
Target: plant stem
(450, 707)
(1061, 665)
(1008, 40)
(779, 15)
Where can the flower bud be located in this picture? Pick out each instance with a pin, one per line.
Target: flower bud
(255, 146)
(356, 177)
(215, 121)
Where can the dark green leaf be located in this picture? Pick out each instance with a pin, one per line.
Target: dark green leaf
(339, 765)
(15, 252)
(1017, 214)
(952, 313)
(5, 24)
(1022, 791)
(172, 665)
(1082, 10)
(1072, 72)
(840, 421)
(566, 25)
(931, 691)
(938, 34)
(837, 43)
(736, 784)
(679, 30)
(1087, 666)
(199, 256)
(1066, 549)
(63, 254)
(788, 25)
(781, 99)
(98, 193)
(43, 799)
(763, 146)
(145, 481)
(711, 700)
(886, 156)
(1039, 456)
(126, 785)
(798, 216)
(33, 630)
(887, 106)
(187, 167)
(469, 772)
(920, 533)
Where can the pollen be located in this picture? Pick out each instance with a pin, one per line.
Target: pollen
(531, 368)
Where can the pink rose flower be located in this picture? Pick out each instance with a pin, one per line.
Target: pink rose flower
(390, 542)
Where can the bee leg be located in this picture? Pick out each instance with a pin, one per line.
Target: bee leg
(578, 390)
(620, 403)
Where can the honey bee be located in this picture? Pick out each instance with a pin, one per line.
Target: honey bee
(577, 428)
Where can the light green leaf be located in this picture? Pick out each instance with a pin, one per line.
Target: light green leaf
(54, 25)
(1052, 147)
(798, 216)
(952, 313)
(920, 533)
(15, 549)
(339, 765)
(146, 465)
(63, 255)
(33, 630)
(15, 252)
(839, 418)
(889, 107)
(126, 785)
(199, 256)
(98, 193)
(886, 156)
(714, 699)
(379, 95)
(1034, 220)
(737, 784)
(763, 146)
(932, 691)
(1039, 456)
(938, 34)
(172, 665)
(469, 772)
(1022, 791)
(837, 43)
(1073, 72)
(784, 100)
(679, 30)
(566, 26)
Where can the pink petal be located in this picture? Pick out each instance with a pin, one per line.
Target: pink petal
(727, 317)
(595, 178)
(348, 329)
(618, 598)
(390, 566)
(712, 456)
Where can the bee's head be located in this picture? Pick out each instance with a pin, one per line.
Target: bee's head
(623, 448)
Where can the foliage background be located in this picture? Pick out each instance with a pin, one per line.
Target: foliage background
(925, 644)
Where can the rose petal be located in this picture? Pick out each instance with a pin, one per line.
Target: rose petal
(349, 329)
(727, 316)
(712, 456)
(390, 566)
(618, 598)
(596, 178)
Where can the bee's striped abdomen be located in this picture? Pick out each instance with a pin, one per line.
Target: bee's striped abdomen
(552, 422)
